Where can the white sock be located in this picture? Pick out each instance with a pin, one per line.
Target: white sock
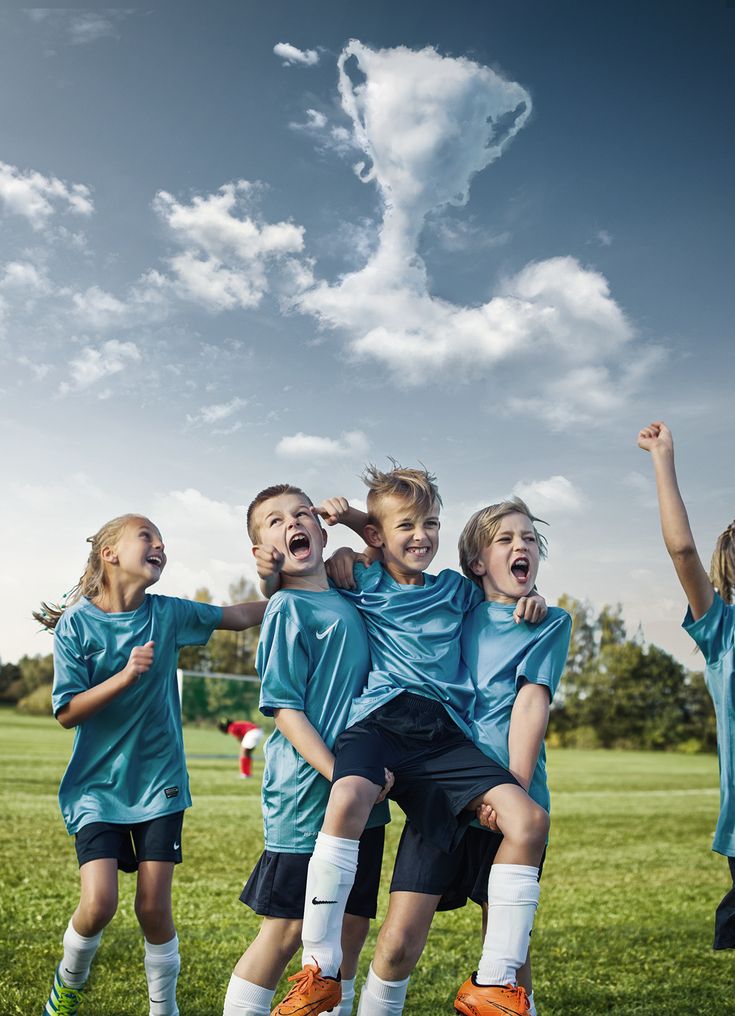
(78, 955)
(162, 965)
(512, 896)
(348, 997)
(531, 1006)
(244, 998)
(329, 880)
(382, 998)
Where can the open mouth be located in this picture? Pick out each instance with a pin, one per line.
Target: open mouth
(299, 546)
(155, 560)
(520, 568)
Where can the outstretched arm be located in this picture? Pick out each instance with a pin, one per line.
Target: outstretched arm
(338, 509)
(677, 533)
(239, 616)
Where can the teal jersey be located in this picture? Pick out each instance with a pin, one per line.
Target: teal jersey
(312, 656)
(414, 640)
(127, 763)
(500, 655)
(714, 633)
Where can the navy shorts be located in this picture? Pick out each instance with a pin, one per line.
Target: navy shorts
(422, 868)
(159, 839)
(277, 885)
(438, 770)
(725, 915)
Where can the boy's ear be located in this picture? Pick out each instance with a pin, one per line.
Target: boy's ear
(325, 536)
(372, 535)
(478, 568)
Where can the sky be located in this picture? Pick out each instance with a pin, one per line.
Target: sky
(247, 243)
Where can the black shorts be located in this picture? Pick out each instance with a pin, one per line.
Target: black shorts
(421, 868)
(277, 885)
(159, 839)
(438, 770)
(725, 915)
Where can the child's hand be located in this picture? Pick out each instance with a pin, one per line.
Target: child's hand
(333, 510)
(141, 660)
(487, 817)
(268, 561)
(339, 567)
(656, 436)
(387, 786)
(530, 608)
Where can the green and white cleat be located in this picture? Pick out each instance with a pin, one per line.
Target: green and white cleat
(63, 1000)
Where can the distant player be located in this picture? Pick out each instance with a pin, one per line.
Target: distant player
(710, 620)
(125, 789)
(249, 735)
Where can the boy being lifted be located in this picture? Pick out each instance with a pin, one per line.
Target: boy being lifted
(414, 718)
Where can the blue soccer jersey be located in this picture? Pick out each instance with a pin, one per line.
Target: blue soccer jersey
(714, 633)
(500, 654)
(313, 657)
(127, 763)
(414, 640)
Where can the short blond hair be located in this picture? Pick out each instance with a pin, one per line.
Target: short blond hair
(482, 528)
(277, 490)
(415, 486)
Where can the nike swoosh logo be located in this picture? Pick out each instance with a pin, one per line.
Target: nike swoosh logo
(318, 903)
(323, 634)
(176, 846)
(495, 1005)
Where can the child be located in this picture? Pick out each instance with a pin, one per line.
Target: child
(125, 789)
(516, 669)
(414, 718)
(249, 735)
(710, 620)
(313, 660)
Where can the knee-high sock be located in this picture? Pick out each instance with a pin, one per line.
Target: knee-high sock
(79, 952)
(162, 965)
(348, 998)
(382, 998)
(244, 998)
(513, 893)
(329, 880)
(246, 765)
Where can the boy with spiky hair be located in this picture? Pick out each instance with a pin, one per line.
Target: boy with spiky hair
(312, 659)
(413, 718)
(516, 669)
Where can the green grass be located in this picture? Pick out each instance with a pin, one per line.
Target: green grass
(624, 927)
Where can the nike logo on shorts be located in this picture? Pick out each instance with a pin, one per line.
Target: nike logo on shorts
(176, 846)
(318, 903)
(323, 634)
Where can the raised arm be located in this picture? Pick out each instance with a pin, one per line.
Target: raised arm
(677, 533)
(338, 510)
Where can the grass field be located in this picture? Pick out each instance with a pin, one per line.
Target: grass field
(624, 927)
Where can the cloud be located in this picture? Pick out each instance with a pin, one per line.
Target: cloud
(426, 125)
(315, 121)
(554, 494)
(292, 56)
(226, 251)
(80, 27)
(306, 446)
(37, 197)
(24, 277)
(217, 413)
(94, 364)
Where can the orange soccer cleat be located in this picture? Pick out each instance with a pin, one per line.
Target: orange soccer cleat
(311, 994)
(475, 999)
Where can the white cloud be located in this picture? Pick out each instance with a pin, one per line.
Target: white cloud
(307, 446)
(217, 413)
(292, 56)
(426, 124)
(37, 197)
(94, 364)
(80, 27)
(226, 251)
(553, 494)
(314, 121)
(24, 277)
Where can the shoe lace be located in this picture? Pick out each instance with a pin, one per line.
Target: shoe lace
(518, 996)
(306, 978)
(68, 1001)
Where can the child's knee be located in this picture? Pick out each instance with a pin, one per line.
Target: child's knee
(397, 951)
(349, 794)
(98, 909)
(152, 913)
(535, 825)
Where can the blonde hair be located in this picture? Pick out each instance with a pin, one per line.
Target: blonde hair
(277, 490)
(92, 581)
(482, 529)
(416, 486)
(722, 567)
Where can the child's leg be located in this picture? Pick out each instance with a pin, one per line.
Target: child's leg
(155, 916)
(246, 764)
(525, 978)
(97, 906)
(259, 969)
(332, 871)
(400, 943)
(354, 932)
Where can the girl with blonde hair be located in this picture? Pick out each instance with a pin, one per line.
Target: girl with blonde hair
(125, 789)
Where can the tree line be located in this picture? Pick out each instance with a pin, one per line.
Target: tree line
(617, 691)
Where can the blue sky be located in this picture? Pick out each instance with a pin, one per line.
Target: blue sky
(200, 293)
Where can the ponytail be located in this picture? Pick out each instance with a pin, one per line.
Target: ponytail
(722, 568)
